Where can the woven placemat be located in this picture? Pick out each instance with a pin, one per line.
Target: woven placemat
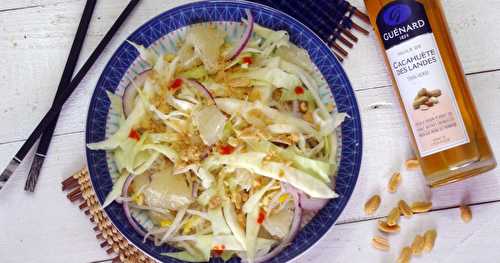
(115, 244)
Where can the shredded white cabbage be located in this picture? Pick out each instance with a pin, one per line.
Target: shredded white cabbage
(232, 221)
(252, 231)
(148, 55)
(273, 76)
(116, 191)
(121, 135)
(214, 145)
(219, 225)
(253, 201)
(252, 161)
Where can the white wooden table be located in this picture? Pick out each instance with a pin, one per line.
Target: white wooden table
(35, 37)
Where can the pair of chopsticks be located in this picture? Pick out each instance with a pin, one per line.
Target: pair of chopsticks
(344, 27)
(64, 92)
(69, 69)
(330, 19)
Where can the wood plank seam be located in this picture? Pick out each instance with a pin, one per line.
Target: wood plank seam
(19, 8)
(55, 135)
(482, 72)
(36, 6)
(102, 261)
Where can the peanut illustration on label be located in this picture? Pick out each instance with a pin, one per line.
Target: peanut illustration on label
(426, 99)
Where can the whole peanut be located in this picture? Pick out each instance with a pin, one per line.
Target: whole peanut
(419, 101)
(434, 93)
(422, 92)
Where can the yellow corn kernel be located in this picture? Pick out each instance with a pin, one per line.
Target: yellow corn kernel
(283, 198)
(138, 199)
(169, 57)
(186, 229)
(189, 225)
(165, 223)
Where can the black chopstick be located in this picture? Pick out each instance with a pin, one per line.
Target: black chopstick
(65, 94)
(69, 69)
(330, 19)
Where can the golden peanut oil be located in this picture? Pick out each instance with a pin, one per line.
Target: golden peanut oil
(447, 134)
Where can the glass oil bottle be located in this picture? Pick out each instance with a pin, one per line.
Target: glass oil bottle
(446, 131)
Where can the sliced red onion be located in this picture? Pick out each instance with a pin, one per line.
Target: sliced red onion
(202, 89)
(294, 229)
(290, 189)
(128, 215)
(139, 229)
(307, 203)
(131, 91)
(126, 207)
(131, 220)
(244, 38)
(312, 204)
(127, 184)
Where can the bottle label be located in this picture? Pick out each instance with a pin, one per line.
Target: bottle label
(421, 77)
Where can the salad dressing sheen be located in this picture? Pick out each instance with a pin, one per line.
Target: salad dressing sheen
(445, 128)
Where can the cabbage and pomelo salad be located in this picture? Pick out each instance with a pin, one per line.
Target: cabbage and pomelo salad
(225, 146)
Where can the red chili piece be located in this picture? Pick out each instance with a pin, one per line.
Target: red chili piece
(134, 135)
(299, 90)
(247, 60)
(226, 149)
(176, 84)
(262, 217)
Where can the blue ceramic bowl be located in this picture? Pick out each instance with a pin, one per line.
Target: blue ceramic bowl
(164, 29)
